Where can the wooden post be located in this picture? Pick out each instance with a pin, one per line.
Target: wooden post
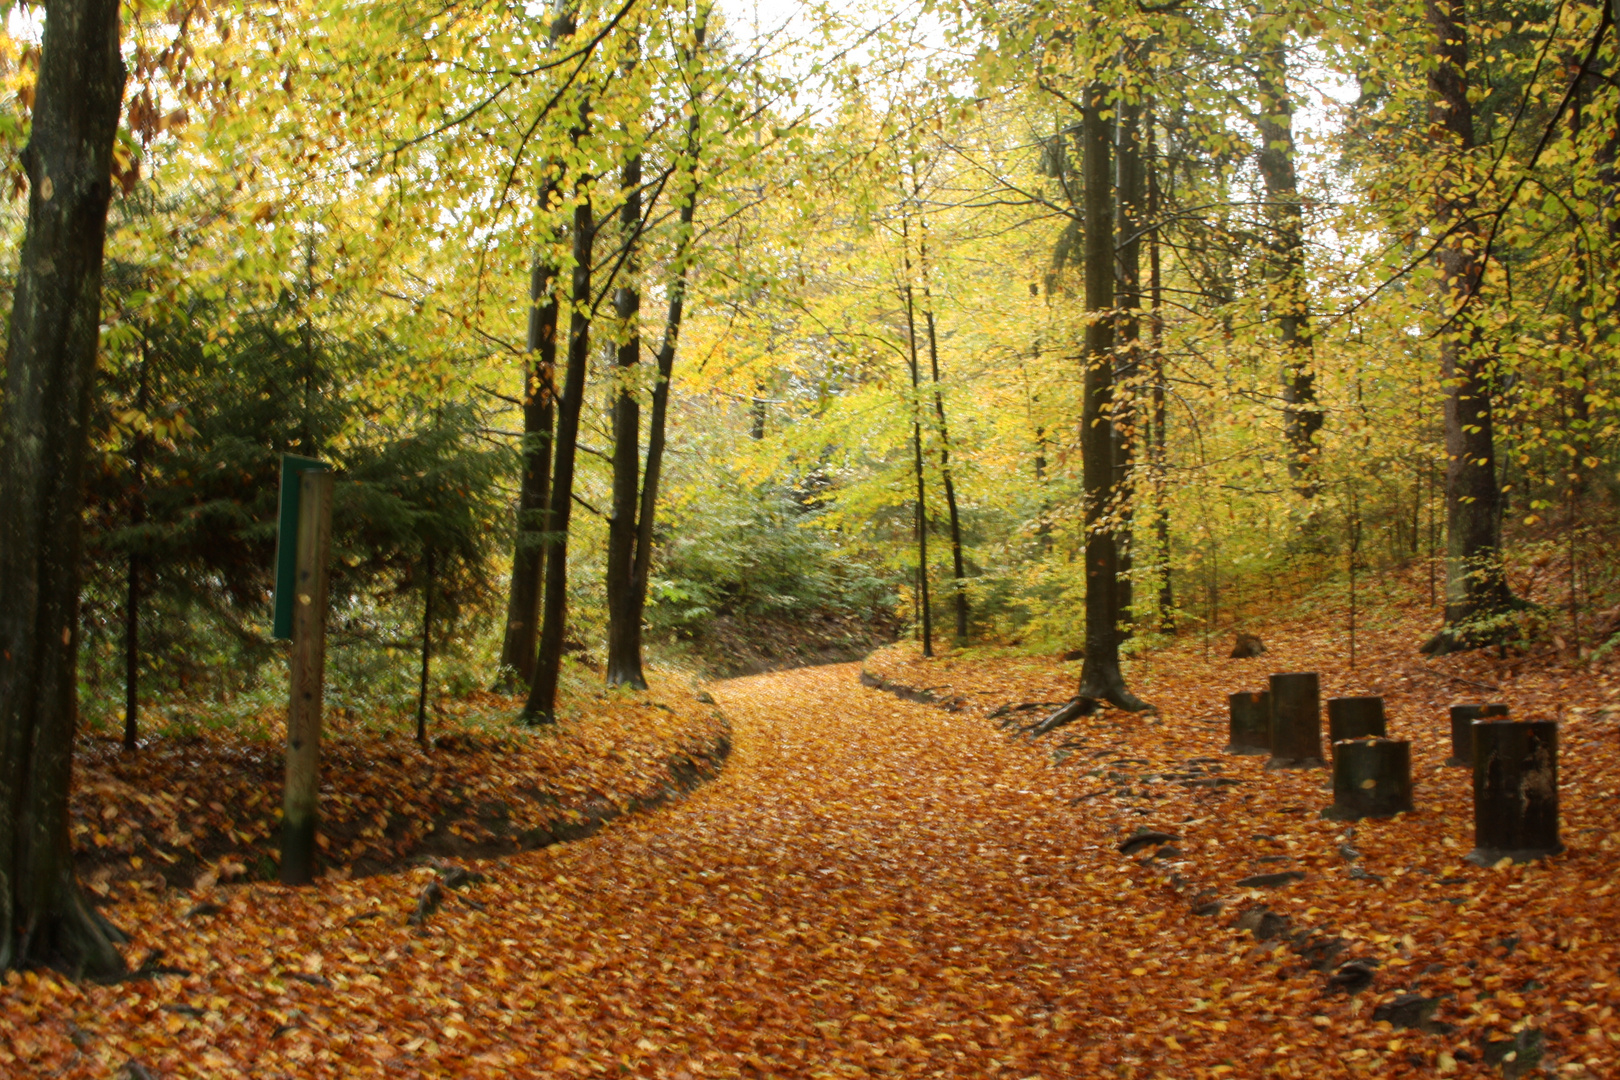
(1355, 718)
(300, 796)
(1462, 730)
(1515, 791)
(1296, 721)
(1372, 777)
(1251, 722)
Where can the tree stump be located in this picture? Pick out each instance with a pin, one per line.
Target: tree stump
(1372, 777)
(1354, 718)
(1250, 722)
(1296, 721)
(1515, 791)
(1462, 730)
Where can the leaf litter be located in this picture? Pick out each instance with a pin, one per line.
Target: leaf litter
(880, 887)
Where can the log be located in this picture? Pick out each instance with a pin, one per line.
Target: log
(1515, 791)
(1462, 730)
(1355, 718)
(1250, 725)
(1372, 777)
(1296, 721)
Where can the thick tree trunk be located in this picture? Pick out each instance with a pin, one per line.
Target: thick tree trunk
(522, 633)
(541, 707)
(44, 438)
(624, 616)
(1476, 583)
(647, 515)
(1289, 299)
(1100, 675)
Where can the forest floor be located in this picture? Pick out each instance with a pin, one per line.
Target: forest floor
(875, 886)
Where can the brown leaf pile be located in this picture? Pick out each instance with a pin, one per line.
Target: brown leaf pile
(877, 887)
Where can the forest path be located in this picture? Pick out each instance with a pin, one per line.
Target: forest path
(871, 887)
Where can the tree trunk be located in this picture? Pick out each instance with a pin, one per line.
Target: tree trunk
(541, 707)
(427, 646)
(44, 439)
(624, 616)
(1476, 583)
(522, 633)
(1289, 299)
(647, 516)
(916, 448)
(132, 598)
(1161, 515)
(1132, 198)
(959, 579)
(1100, 675)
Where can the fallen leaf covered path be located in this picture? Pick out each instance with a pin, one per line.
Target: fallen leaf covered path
(872, 887)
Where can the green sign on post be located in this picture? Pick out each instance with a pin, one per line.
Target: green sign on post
(292, 467)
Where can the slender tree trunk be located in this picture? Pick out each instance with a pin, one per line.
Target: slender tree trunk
(1161, 516)
(1100, 675)
(427, 646)
(44, 440)
(1290, 300)
(916, 448)
(653, 473)
(623, 639)
(1132, 199)
(541, 707)
(959, 580)
(132, 598)
(1476, 583)
(522, 633)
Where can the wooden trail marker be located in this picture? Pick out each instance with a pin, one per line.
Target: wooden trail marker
(1515, 791)
(1372, 777)
(1250, 725)
(1296, 721)
(1462, 730)
(1355, 718)
(301, 791)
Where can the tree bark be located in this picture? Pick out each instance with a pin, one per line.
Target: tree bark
(1476, 583)
(1131, 199)
(647, 515)
(541, 707)
(624, 616)
(427, 646)
(916, 447)
(132, 597)
(522, 633)
(44, 440)
(959, 571)
(1100, 675)
(1161, 514)
(1289, 299)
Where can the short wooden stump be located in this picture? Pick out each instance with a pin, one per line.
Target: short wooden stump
(1372, 777)
(1249, 730)
(1515, 791)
